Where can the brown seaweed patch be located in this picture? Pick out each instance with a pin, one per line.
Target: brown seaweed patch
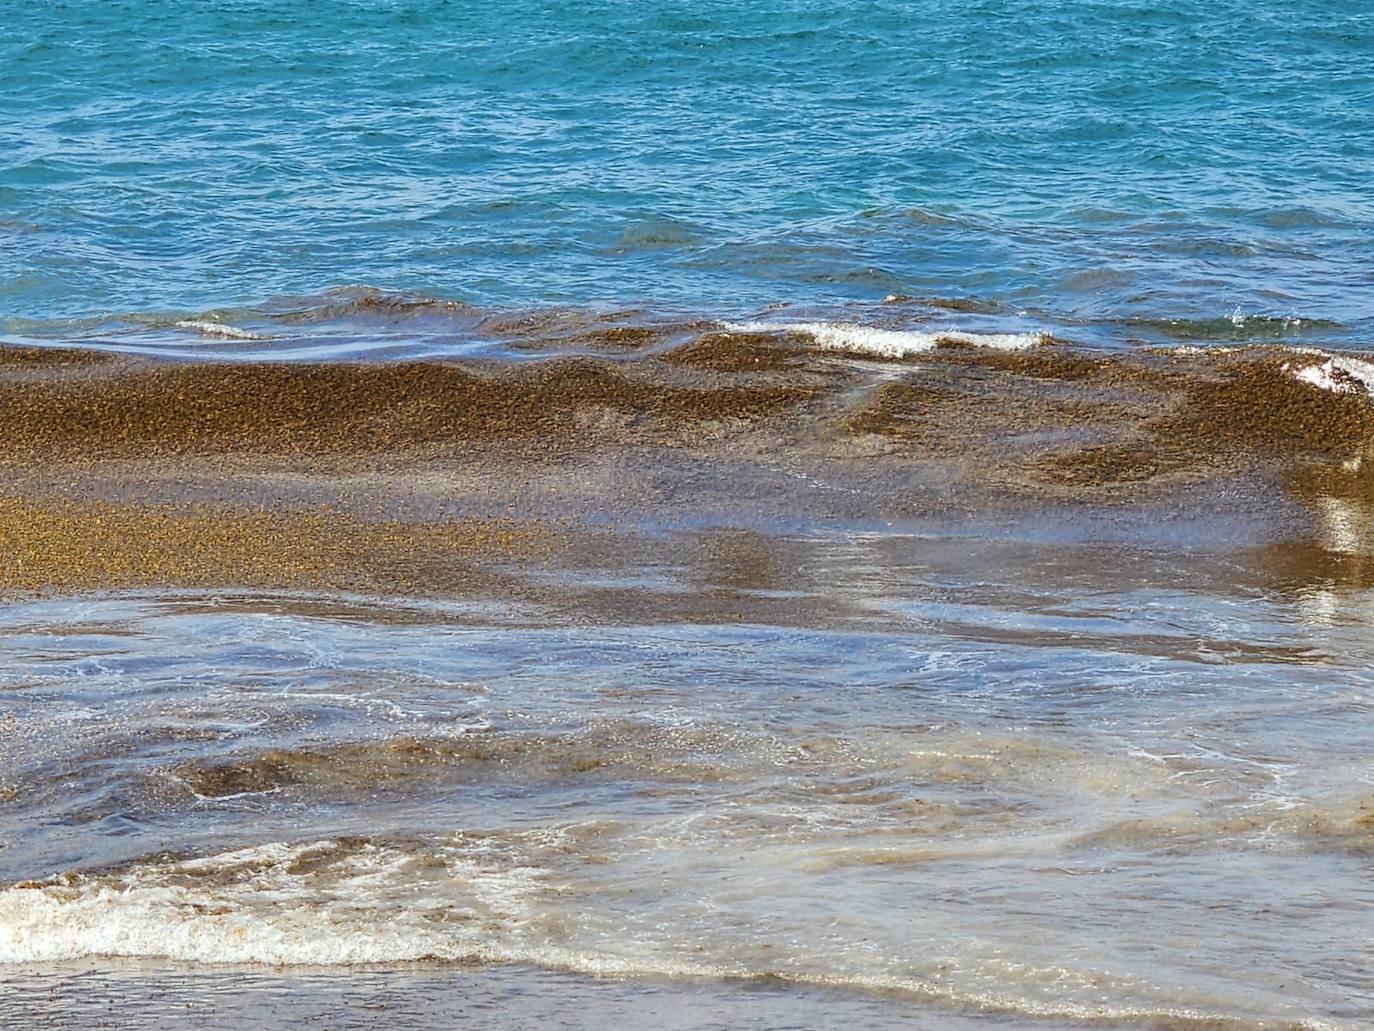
(1084, 420)
(1307, 568)
(958, 416)
(623, 337)
(360, 766)
(743, 560)
(897, 409)
(369, 302)
(550, 407)
(971, 305)
(261, 773)
(693, 755)
(79, 545)
(1115, 463)
(733, 352)
(1057, 363)
(1341, 828)
(1259, 407)
(51, 357)
(1364, 816)
(1248, 413)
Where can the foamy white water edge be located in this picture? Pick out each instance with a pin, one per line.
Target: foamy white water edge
(889, 343)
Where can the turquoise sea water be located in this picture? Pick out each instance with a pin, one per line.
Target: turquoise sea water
(1110, 171)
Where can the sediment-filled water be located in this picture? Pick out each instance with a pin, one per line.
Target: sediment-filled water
(1147, 804)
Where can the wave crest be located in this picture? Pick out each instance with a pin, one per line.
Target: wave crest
(890, 343)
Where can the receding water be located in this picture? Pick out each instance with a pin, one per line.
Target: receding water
(1008, 801)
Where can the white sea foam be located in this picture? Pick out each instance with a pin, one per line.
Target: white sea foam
(332, 903)
(1338, 374)
(219, 329)
(313, 904)
(889, 343)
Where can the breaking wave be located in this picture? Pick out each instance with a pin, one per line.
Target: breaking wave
(219, 329)
(890, 343)
(352, 902)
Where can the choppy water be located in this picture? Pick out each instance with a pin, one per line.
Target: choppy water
(1109, 171)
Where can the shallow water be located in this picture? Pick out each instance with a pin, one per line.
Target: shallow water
(76, 996)
(1011, 799)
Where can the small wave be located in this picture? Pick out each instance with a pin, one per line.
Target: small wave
(1301, 218)
(973, 305)
(361, 301)
(220, 330)
(1345, 826)
(658, 232)
(349, 902)
(1235, 327)
(890, 343)
(271, 904)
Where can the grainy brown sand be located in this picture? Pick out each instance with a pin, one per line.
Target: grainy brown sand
(67, 544)
(146, 410)
(735, 352)
(123, 472)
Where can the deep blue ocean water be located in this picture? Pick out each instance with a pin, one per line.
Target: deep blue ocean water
(1110, 171)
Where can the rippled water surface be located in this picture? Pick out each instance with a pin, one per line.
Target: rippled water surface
(1109, 170)
(1148, 805)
